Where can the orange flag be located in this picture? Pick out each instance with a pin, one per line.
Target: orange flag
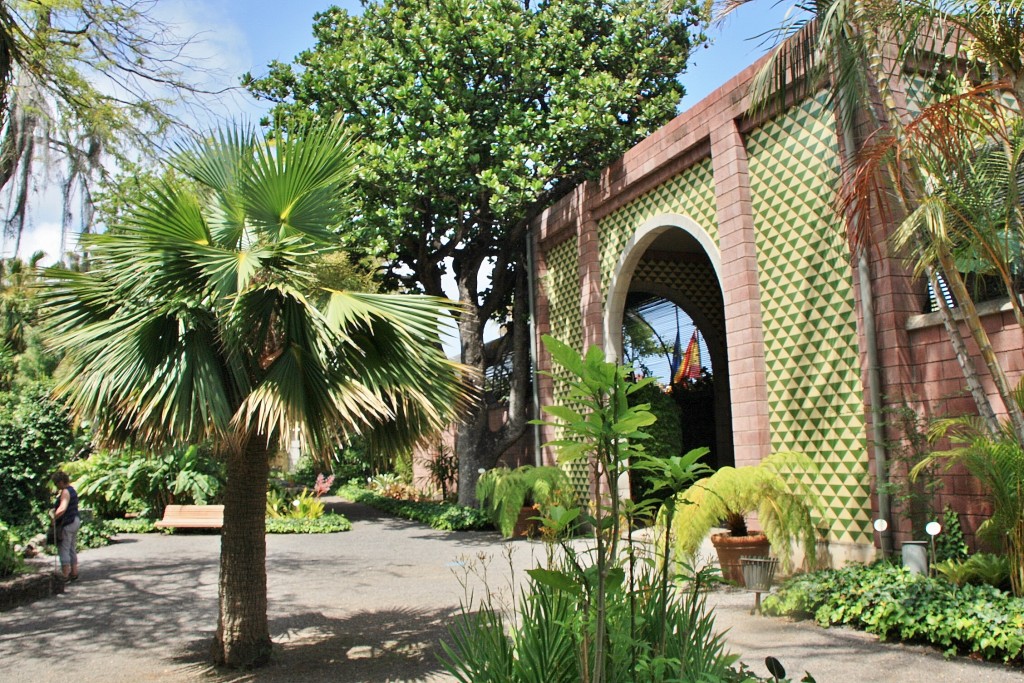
(690, 367)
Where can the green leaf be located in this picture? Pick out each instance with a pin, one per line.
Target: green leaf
(555, 579)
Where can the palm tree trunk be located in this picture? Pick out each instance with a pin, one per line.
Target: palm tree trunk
(243, 633)
(888, 114)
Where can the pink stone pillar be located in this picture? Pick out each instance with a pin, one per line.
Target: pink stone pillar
(741, 294)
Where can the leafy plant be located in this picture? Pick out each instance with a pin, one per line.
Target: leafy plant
(393, 485)
(443, 469)
(35, 437)
(605, 612)
(998, 463)
(894, 603)
(950, 544)
(981, 568)
(11, 561)
(504, 493)
(136, 525)
(305, 505)
(776, 488)
(118, 482)
(325, 524)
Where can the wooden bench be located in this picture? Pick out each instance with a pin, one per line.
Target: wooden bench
(192, 517)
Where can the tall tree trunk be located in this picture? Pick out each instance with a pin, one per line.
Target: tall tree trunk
(477, 447)
(243, 634)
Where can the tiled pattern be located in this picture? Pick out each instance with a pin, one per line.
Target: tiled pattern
(697, 280)
(691, 193)
(810, 325)
(562, 285)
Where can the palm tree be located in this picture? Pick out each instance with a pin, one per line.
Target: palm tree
(998, 463)
(200, 319)
(846, 46)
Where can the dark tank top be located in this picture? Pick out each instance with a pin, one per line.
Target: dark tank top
(72, 510)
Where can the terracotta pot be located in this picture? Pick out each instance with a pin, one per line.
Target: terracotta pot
(731, 548)
(526, 526)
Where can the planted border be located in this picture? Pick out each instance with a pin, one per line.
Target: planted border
(441, 516)
(895, 604)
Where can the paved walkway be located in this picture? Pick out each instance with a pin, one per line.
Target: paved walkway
(368, 605)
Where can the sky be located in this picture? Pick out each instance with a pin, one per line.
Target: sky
(236, 36)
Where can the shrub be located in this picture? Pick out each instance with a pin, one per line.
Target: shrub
(894, 603)
(326, 524)
(137, 525)
(119, 482)
(10, 560)
(441, 516)
(504, 493)
(981, 568)
(35, 437)
(950, 544)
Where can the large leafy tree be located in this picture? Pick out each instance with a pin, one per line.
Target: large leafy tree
(200, 320)
(476, 116)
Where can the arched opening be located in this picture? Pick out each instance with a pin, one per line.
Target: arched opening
(667, 273)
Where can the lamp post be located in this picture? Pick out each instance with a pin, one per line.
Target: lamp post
(933, 529)
(880, 526)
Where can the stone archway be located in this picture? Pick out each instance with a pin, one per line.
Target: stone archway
(672, 257)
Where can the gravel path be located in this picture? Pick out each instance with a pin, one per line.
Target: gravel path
(368, 605)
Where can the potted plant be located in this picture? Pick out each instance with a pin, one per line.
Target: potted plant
(514, 497)
(776, 489)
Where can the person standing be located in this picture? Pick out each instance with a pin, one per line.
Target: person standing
(67, 521)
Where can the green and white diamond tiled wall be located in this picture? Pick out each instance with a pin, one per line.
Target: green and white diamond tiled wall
(757, 194)
(812, 359)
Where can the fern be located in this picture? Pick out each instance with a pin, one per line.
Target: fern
(503, 492)
(776, 489)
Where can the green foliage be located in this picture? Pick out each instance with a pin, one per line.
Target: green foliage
(504, 492)
(981, 568)
(950, 543)
(324, 524)
(610, 611)
(550, 629)
(894, 603)
(94, 534)
(121, 481)
(442, 516)
(776, 488)
(11, 561)
(135, 525)
(460, 102)
(665, 434)
(998, 463)
(36, 435)
(306, 505)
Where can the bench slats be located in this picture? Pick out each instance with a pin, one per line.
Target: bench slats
(192, 517)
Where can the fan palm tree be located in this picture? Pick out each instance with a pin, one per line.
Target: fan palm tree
(200, 320)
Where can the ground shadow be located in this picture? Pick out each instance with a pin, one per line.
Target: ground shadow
(372, 646)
